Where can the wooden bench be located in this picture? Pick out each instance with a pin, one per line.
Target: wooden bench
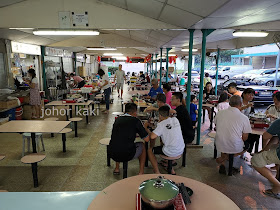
(33, 159)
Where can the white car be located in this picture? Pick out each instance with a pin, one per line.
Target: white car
(228, 72)
(249, 75)
(212, 71)
(195, 76)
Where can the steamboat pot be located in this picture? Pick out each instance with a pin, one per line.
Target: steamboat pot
(158, 192)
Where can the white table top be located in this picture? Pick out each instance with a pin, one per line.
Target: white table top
(122, 195)
(33, 126)
(258, 131)
(59, 103)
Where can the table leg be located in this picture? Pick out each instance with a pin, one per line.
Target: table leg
(71, 114)
(147, 158)
(33, 138)
(64, 142)
(87, 115)
(211, 120)
(76, 128)
(108, 157)
(230, 167)
(35, 175)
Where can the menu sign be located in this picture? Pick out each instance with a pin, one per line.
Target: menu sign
(54, 52)
(29, 49)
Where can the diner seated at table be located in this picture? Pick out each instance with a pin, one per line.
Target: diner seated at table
(184, 118)
(122, 147)
(154, 90)
(273, 111)
(185, 94)
(248, 108)
(232, 90)
(223, 102)
(207, 92)
(232, 130)
(167, 91)
(269, 155)
(169, 130)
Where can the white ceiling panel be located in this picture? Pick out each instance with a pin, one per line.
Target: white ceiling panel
(12, 34)
(160, 36)
(148, 8)
(117, 3)
(274, 25)
(199, 7)
(125, 33)
(255, 19)
(215, 22)
(178, 17)
(241, 8)
(5, 3)
(32, 39)
(171, 33)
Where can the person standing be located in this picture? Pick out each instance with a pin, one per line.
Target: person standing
(35, 99)
(206, 80)
(106, 87)
(120, 75)
(78, 81)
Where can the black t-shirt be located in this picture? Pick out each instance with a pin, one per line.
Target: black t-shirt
(186, 123)
(122, 146)
(208, 94)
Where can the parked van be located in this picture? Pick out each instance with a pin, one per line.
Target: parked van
(227, 72)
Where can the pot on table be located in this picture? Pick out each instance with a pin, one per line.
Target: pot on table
(159, 192)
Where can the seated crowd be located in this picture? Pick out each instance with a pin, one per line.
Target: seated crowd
(176, 129)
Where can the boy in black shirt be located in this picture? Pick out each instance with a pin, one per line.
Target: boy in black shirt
(122, 147)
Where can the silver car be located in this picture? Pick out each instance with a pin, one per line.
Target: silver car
(267, 80)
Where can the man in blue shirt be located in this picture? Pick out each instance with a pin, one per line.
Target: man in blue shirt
(270, 154)
(154, 90)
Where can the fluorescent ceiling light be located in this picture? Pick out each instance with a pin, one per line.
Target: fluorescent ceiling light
(66, 32)
(112, 54)
(187, 50)
(100, 48)
(250, 34)
(169, 55)
(120, 58)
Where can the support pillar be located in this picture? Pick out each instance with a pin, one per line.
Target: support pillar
(205, 33)
(277, 67)
(167, 59)
(160, 70)
(43, 68)
(188, 100)
(217, 71)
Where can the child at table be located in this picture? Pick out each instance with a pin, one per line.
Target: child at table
(193, 110)
(223, 102)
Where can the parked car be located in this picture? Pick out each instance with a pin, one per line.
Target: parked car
(263, 94)
(249, 75)
(223, 85)
(267, 80)
(195, 76)
(212, 71)
(228, 72)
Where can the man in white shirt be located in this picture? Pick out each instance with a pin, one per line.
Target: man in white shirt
(169, 130)
(120, 75)
(232, 130)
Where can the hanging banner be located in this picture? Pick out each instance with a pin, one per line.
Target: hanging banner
(49, 51)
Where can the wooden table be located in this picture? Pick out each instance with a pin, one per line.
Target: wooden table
(258, 131)
(60, 103)
(33, 126)
(122, 195)
(212, 106)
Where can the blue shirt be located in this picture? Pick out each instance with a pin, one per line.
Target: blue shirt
(153, 93)
(274, 130)
(193, 107)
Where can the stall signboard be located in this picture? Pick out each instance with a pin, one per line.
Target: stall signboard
(67, 54)
(80, 57)
(49, 51)
(29, 49)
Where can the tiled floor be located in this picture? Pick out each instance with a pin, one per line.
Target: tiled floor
(83, 166)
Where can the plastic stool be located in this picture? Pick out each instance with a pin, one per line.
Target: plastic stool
(28, 137)
(170, 159)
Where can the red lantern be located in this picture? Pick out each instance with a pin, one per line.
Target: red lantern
(114, 61)
(130, 61)
(98, 59)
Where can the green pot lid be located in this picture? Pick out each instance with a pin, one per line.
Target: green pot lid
(158, 189)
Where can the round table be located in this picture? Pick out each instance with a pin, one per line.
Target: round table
(122, 195)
